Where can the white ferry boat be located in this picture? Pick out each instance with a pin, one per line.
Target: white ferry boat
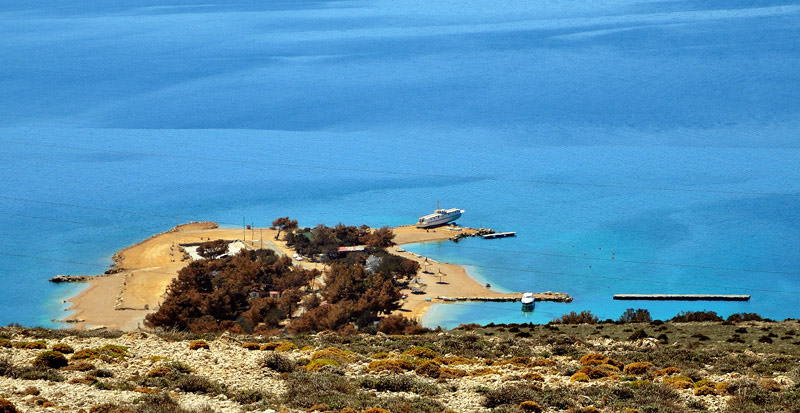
(528, 302)
(439, 217)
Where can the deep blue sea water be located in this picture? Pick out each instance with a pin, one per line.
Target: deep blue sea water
(635, 146)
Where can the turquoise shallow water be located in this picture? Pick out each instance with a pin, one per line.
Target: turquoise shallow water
(634, 146)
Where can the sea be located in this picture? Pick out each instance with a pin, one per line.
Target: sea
(634, 146)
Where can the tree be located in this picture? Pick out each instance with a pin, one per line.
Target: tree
(639, 315)
(379, 238)
(212, 250)
(284, 224)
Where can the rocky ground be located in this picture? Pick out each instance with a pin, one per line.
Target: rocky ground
(747, 366)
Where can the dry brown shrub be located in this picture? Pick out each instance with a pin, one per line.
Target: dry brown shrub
(375, 410)
(198, 344)
(272, 345)
(334, 353)
(449, 373)
(88, 380)
(533, 377)
(251, 346)
(390, 365)
(579, 377)
(593, 359)
(420, 352)
(30, 391)
(598, 372)
(483, 371)
(668, 371)
(541, 362)
(7, 407)
(769, 385)
(429, 369)
(530, 406)
(160, 371)
(704, 391)
(80, 366)
(638, 368)
(679, 382)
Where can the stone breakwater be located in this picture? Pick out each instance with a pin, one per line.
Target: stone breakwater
(70, 278)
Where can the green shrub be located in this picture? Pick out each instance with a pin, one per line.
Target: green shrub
(398, 383)
(584, 317)
(510, 394)
(192, 383)
(278, 362)
(51, 359)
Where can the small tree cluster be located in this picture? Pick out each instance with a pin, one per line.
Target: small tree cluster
(584, 317)
(231, 293)
(639, 315)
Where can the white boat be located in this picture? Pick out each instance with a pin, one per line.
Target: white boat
(528, 302)
(439, 217)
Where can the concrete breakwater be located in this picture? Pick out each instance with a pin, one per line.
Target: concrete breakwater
(545, 296)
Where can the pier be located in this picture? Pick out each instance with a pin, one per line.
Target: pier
(683, 297)
(545, 296)
(499, 235)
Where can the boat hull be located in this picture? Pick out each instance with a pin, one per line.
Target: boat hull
(439, 221)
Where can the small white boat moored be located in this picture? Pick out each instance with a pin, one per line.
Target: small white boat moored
(528, 302)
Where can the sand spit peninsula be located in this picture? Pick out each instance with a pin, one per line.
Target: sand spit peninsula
(137, 282)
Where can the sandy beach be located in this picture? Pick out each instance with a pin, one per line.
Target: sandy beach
(122, 300)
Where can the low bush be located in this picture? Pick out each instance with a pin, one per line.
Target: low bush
(7, 407)
(638, 368)
(690, 316)
(30, 345)
(62, 348)
(584, 317)
(334, 353)
(510, 395)
(740, 317)
(420, 352)
(192, 383)
(679, 382)
(390, 365)
(51, 359)
(278, 362)
(319, 364)
(530, 406)
(198, 344)
(635, 316)
(398, 383)
(251, 346)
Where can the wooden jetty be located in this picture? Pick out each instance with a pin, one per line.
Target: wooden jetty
(545, 296)
(499, 235)
(682, 297)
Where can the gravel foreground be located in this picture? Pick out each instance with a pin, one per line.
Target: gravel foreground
(648, 367)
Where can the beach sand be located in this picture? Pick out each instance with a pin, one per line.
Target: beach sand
(122, 300)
